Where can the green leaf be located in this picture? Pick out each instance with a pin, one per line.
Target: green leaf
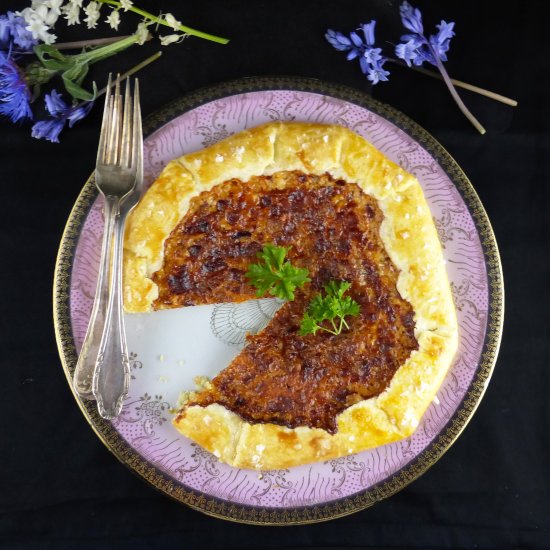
(273, 256)
(337, 289)
(52, 58)
(73, 78)
(77, 91)
(103, 52)
(331, 307)
(74, 68)
(76, 73)
(308, 325)
(274, 275)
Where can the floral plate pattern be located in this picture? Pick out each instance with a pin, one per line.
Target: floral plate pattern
(169, 348)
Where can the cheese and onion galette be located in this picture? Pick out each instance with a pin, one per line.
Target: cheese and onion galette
(344, 212)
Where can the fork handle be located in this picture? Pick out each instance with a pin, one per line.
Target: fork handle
(84, 370)
(111, 377)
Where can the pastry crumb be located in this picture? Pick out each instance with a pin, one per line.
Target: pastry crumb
(184, 397)
(203, 382)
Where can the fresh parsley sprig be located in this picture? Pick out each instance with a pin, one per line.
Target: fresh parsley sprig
(275, 275)
(333, 307)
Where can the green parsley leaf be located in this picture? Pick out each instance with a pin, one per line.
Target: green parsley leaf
(330, 309)
(275, 275)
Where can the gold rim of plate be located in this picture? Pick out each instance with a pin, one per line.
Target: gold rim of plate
(332, 509)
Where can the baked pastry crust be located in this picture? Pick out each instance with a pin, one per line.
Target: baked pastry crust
(410, 239)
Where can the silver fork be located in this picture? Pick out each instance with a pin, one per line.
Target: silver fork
(102, 370)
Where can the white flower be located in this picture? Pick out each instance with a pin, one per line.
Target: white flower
(48, 37)
(171, 38)
(48, 16)
(37, 27)
(126, 4)
(113, 19)
(142, 33)
(172, 21)
(72, 12)
(51, 18)
(41, 13)
(92, 14)
(40, 31)
(55, 5)
(28, 14)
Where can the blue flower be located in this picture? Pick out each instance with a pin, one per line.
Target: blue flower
(61, 114)
(14, 92)
(356, 39)
(440, 42)
(411, 18)
(377, 73)
(372, 55)
(368, 31)
(48, 129)
(338, 40)
(415, 47)
(370, 58)
(407, 51)
(5, 32)
(13, 33)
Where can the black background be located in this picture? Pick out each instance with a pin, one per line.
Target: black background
(61, 488)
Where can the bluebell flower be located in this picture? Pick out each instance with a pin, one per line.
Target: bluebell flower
(14, 92)
(377, 73)
(370, 58)
(338, 40)
(368, 31)
(14, 35)
(48, 129)
(5, 32)
(372, 55)
(440, 42)
(411, 18)
(415, 47)
(407, 51)
(61, 114)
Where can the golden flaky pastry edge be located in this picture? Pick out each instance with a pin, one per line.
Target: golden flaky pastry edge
(410, 238)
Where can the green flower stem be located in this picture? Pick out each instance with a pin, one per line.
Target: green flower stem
(459, 84)
(132, 71)
(127, 74)
(471, 87)
(97, 54)
(86, 43)
(161, 21)
(454, 94)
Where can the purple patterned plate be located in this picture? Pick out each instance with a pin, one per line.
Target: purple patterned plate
(168, 348)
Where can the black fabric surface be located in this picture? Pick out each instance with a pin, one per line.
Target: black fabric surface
(61, 488)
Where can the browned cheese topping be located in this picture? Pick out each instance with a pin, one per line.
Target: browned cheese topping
(333, 230)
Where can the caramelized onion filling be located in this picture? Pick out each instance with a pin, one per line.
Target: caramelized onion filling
(333, 229)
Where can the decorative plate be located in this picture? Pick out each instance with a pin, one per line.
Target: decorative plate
(169, 348)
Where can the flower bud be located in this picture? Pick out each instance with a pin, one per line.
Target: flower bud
(37, 74)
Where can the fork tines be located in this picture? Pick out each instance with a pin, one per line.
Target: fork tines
(121, 126)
